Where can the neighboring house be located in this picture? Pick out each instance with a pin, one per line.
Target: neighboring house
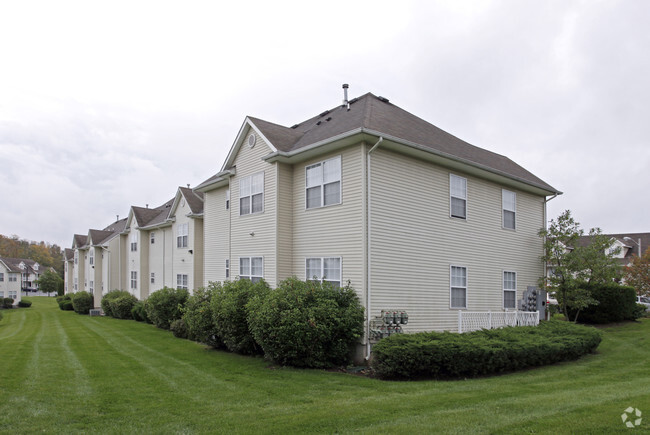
(10, 279)
(631, 244)
(367, 193)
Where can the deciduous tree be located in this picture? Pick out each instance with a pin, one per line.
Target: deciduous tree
(637, 274)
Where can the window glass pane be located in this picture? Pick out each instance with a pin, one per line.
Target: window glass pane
(333, 193)
(244, 266)
(458, 297)
(314, 175)
(509, 280)
(458, 208)
(257, 183)
(332, 269)
(313, 197)
(244, 187)
(509, 299)
(313, 268)
(508, 219)
(509, 200)
(458, 277)
(257, 266)
(458, 186)
(332, 170)
(244, 205)
(258, 203)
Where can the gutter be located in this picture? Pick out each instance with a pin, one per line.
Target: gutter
(369, 245)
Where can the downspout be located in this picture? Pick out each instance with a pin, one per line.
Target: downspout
(368, 244)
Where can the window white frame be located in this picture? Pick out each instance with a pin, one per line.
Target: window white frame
(251, 194)
(182, 234)
(152, 237)
(509, 209)
(181, 281)
(509, 290)
(323, 183)
(457, 196)
(227, 268)
(457, 287)
(153, 277)
(92, 286)
(324, 269)
(134, 241)
(251, 268)
(134, 280)
(228, 199)
(91, 257)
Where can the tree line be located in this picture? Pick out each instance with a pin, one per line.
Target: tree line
(45, 254)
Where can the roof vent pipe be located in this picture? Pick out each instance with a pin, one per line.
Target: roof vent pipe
(345, 95)
(118, 217)
(147, 205)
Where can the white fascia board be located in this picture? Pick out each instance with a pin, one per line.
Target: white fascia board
(221, 180)
(240, 139)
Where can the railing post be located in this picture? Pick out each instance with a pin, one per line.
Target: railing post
(489, 319)
(460, 322)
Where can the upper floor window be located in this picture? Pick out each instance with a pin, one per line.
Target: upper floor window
(76, 285)
(134, 241)
(13, 277)
(509, 290)
(509, 204)
(76, 257)
(458, 290)
(91, 258)
(153, 278)
(182, 230)
(323, 183)
(181, 281)
(251, 268)
(251, 194)
(2, 277)
(458, 196)
(227, 268)
(326, 269)
(228, 199)
(152, 237)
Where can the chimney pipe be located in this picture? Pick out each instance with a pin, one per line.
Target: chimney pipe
(188, 185)
(118, 217)
(147, 205)
(345, 95)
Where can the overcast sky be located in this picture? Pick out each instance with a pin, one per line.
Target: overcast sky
(104, 105)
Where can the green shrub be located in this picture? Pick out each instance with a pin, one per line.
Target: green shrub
(108, 297)
(164, 306)
(139, 313)
(616, 303)
(82, 302)
(451, 355)
(65, 302)
(0, 315)
(7, 303)
(121, 306)
(230, 315)
(24, 303)
(197, 316)
(639, 311)
(307, 324)
(178, 328)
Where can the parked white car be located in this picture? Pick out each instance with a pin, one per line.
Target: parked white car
(643, 300)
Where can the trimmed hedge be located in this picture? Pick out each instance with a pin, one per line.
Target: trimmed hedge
(121, 306)
(82, 302)
(229, 313)
(307, 324)
(65, 302)
(452, 355)
(197, 318)
(24, 303)
(616, 303)
(108, 297)
(7, 303)
(164, 306)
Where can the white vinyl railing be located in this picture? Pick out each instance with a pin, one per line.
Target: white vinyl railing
(473, 321)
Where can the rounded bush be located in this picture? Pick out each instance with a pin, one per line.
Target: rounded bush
(139, 313)
(197, 316)
(24, 303)
(121, 306)
(7, 303)
(452, 355)
(307, 324)
(65, 302)
(82, 302)
(230, 314)
(178, 328)
(108, 297)
(164, 306)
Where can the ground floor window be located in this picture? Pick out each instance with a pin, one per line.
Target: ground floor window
(325, 269)
(458, 290)
(509, 290)
(181, 281)
(134, 280)
(251, 268)
(227, 268)
(13, 294)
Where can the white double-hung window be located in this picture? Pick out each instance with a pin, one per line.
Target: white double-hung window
(458, 291)
(251, 194)
(134, 241)
(91, 257)
(134, 280)
(458, 196)
(182, 230)
(323, 183)
(251, 268)
(325, 269)
(509, 205)
(181, 281)
(509, 289)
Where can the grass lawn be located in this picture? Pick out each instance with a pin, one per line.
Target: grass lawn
(62, 372)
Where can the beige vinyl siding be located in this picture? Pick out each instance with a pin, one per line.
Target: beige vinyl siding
(415, 241)
(97, 275)
(159, 258)
(183, 261)
(285, 221)
(115, 264)
(197, 261)
(335, 230)
(263, 225)
(216, 229)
